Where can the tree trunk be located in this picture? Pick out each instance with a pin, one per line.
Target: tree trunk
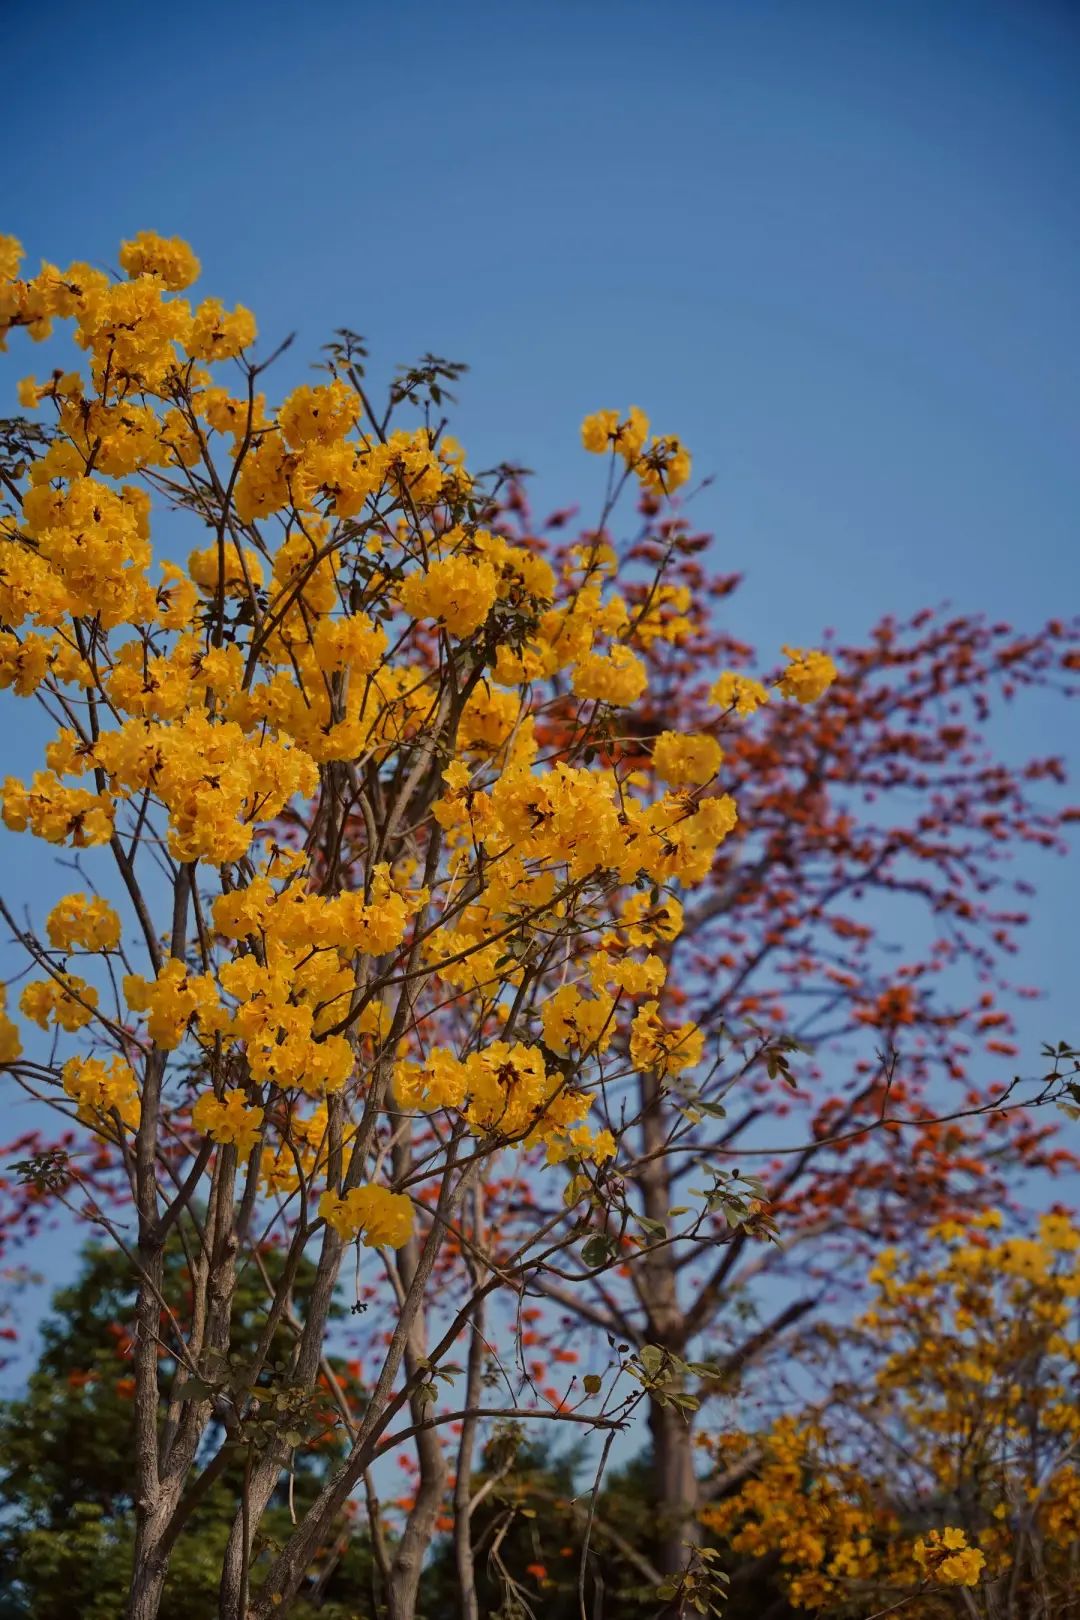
(474, 1389)
(148, 1577)
(151, 1510)
(419, 1528)
(674, 1486)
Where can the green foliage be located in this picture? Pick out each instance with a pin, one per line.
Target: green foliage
(66, 1513)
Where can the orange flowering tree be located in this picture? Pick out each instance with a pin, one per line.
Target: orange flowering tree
(388, 828)
(936, 1467)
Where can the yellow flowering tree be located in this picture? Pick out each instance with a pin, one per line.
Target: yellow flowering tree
(938, 1468)
(331, 1041)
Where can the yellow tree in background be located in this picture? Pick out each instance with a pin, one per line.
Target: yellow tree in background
(940, 1474)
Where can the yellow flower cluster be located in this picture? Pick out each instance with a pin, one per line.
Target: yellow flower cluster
(664, 1051)
(946, 1557)
(378, 1217)
(808, 676)
(617, 677)
(228, 1119)
(571, 1021)
(165, 257)
(506, 1091)
(582, 821)
(66, 1001)
(456, 590)
(172, 1001)
(603, 431)
(811, 1517)
(10, 1044)
(100, 1088)
(214, 781)
(663, 466)
(78, 923)
(686, 760)
(55, 812)
(738, 692)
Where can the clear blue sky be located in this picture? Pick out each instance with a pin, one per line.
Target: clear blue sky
(832, 245)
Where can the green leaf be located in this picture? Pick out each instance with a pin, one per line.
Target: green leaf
(597, 1250)
(195, 1390)
(688, 1403)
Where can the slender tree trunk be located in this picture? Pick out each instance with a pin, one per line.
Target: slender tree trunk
(674, 1485)
(463, 1502)
(260, 1484)
(154, 1504)
(150, 1564)
(419, 1528)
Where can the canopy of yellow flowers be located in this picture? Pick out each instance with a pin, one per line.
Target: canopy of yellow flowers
(347, 608)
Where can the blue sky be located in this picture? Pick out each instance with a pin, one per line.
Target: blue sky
(832, 245)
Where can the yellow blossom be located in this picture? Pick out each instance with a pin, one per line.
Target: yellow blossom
(618, 677)
(380, 1218)
(946, 1557)
(98, 1088)
(459, 591)
(665, 466)
(10, 257)
(77, 922)
(10, 1044)
(66, 1001)
(605, 431)
(217, 335)
(166, 257)
(693, 759)
(656, 1046)
(228, 1119)
(738, 692)
(808, 675)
